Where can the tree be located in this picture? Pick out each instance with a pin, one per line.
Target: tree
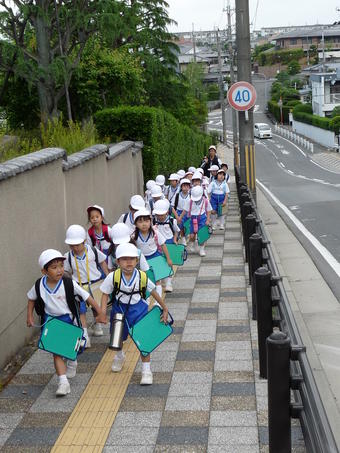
(294, 67)
(43, 42)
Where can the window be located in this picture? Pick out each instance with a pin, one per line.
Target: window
(293, 41)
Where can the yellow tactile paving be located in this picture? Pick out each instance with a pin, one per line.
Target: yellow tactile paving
(90, 422)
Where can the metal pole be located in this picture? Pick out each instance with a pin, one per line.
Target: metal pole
(255, 255)
(224, 138)
(194, 41)
(246, 126)
(264, 314)
(250, 228)
(279, 423)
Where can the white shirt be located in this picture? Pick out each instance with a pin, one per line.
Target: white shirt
(133, 285)
(55, 299)
(171, 195)
(166, 231)
(182, 200)
(198, 207)
(101, 243)
(218, 188)
(95, 274)
(129, 221)
(148, 245)
(143, 264)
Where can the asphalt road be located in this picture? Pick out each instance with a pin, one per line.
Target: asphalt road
(308, 192)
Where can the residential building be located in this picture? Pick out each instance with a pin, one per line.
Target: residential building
(325, 92)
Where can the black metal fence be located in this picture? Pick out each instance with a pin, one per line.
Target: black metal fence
(292, 391)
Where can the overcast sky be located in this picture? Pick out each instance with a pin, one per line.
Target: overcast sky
(207, 14)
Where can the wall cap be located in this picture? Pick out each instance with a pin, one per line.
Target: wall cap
(89, 153)
(20, 164)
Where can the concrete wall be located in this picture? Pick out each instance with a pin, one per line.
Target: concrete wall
(321, 136)
(40, 195)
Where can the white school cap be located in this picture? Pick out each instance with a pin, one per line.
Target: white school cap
(181, 173)
(160, 180)
(212, 147)
(188, 173)
(156, 191)
(221, 171)
(120, 233)
(161, 207)
(49, 255)
(137, 202)
(126, 250)
(214, 168)
(173, 177)
(150, 184)
(95, 206)
(141, 213)
(75, 234)
(185, 181)
(192, 169)
(197, 175)
(200, 170)
(196, 193)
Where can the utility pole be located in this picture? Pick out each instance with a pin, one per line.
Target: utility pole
(232, 80)
(246, 119)
(194, 41)
(221, 87)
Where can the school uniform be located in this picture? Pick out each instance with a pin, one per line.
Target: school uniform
(149, 245)
(127, 218)
(88, 271)
(197, 210)
(180, 207)
(55, 299)
(138, 307)
(165, 229)
(217, 191)
(101, 244)
(171, 195)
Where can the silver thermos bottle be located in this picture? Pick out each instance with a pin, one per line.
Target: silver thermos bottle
(116, 340)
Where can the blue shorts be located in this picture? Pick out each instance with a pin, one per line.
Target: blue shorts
(154, 255)
(82, 307)
(135, 313)
(185, 217)
(216, 200)
(201, 222)
(65, 318)
(170, 241)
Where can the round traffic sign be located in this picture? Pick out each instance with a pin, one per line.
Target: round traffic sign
(241, 96)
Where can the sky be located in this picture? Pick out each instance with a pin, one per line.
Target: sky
(207, 14)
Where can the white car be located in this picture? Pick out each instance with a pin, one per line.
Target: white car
(262, 130)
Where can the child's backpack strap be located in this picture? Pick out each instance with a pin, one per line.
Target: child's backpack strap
(39, 304)
(117, 277)
(190, 208)
(176, 201)
(70, 299)
(159, 248)
(95, 251)
(92, 235)
(69, 260)
(105, 230)
(143, 281)
(171, 224)
(126, 215)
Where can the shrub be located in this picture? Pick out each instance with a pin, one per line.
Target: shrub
(168, 145)
(335, 124)
(274, 108)
(314, 120)
(304, 108)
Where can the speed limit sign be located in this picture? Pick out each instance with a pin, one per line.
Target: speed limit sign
(242, 96)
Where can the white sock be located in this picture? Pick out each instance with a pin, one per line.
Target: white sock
(120, 354)
(222, 219)
(146, 366)
(86, 335)
(169, 281)
(62, 379)
(213, 218)
(159, 290)
(202, 247)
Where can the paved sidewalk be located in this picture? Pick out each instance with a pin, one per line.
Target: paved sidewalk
(206, 396)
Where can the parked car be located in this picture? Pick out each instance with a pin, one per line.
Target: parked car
(262, 130)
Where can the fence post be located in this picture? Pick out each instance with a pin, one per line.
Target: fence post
(246, 209)
(264, 314)
(279, 423)
(250, 228)
(255, 261)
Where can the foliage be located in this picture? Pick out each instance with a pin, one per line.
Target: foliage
(315, 120)
(335, 124)
(168, 145)
(106, 78)
(261, 48)
(274, 108)
(304, 108)
(294, 67)
(336, 111)
(279, 56)
(21, 143)
(213, 92)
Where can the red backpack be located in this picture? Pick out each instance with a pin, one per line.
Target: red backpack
(105, 230)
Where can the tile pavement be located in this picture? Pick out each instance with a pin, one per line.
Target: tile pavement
(207, 395)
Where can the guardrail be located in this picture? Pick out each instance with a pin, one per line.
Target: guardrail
(282, 355)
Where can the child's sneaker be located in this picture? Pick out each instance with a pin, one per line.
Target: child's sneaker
(221, 227)
(184, 241)
(147, 378)
(202, 251)
(118, 363)
(168, 287)
(88, 342)
(71, 368)
(192, 247)
(63, 388)
(98, 330)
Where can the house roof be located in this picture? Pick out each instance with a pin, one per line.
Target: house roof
(312, 33)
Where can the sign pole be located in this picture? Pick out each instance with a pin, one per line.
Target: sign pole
(246, 128)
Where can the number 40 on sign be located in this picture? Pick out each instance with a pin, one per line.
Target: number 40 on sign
(241, 96)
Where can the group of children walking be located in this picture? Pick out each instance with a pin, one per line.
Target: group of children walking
(166, 215)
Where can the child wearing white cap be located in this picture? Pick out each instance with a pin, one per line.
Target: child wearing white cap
(83, 262)
(48, 296)
(177, 210)
(213, 172)
(136, 202)
(98, 235)
(156, 194)
(173, 188)
(149, 240)
(219, 192)
(198, 209)
(128, 299)
(160, 181)
(147, 195)
(168, 227)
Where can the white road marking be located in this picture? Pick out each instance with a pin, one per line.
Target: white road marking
(282, 165)
(335, 265)
(294, 208)
(304, 154)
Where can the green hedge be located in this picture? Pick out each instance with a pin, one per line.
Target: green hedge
(305, 108)
(314, 120)
(274, 108)
(168, 145)
(280, 56)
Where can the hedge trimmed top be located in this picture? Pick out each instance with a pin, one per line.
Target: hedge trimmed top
(168, 145)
